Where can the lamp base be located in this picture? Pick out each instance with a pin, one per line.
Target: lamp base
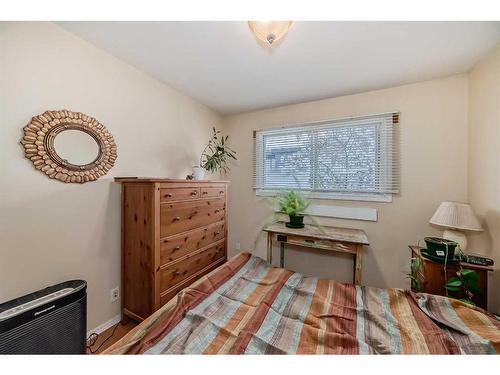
(457, 236)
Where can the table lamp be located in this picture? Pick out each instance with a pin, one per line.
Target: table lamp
(456, 216)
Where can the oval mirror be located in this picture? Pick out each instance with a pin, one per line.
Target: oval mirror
(76, 147)
(68, 146)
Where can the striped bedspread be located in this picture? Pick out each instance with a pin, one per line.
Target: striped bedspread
(250, 307)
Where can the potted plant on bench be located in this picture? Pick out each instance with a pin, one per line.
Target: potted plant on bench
(293, 204)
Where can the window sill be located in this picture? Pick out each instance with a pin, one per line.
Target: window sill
(364, 197)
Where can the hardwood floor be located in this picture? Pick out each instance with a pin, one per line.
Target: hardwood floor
(120, 331)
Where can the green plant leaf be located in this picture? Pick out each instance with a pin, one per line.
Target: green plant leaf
(291, 202)
(469, 274)
(474, 287)
(316, 224)
(453, 281)
(415, 264)
(453, 288)
(216, 153)
(466, 271)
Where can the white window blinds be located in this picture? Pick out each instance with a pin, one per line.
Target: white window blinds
(356, 155)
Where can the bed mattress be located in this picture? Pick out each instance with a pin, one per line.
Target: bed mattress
(247, 306)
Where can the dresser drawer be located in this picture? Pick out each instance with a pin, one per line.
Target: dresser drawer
(181, 194)
(183, 216)
(168, 294)
(213, 192)
(175, 247)
(179, 271)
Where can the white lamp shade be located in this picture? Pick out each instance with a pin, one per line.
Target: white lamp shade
(456, 215)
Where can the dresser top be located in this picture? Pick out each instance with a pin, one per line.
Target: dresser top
(163, 179)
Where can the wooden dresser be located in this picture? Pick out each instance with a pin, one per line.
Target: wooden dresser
(173, 232)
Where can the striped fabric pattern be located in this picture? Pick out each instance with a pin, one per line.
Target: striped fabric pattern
(250, 307)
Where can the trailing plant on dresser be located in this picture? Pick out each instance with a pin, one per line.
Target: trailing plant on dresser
(215, 156)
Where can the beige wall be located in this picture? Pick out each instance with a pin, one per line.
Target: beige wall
(484, 163)
(51, 231)
(434, 168)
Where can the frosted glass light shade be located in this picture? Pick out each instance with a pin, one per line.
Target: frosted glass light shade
(269, 31)
(456, 215)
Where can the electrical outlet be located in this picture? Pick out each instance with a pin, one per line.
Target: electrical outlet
(115, 294)
(238, 246)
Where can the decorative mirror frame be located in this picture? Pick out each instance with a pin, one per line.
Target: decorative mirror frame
(38, 142)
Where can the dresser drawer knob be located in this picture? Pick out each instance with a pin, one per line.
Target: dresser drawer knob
(221, 192)
(216, 233)
(177, 273)
(177, 247)
(216, 211)
(194, 192)
(169, 195)
(177, 218)
(205, 193)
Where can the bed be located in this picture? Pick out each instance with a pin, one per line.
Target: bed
(247, 306)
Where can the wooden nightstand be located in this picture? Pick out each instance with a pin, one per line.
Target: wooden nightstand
(432, 276)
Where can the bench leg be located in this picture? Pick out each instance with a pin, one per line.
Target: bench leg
(282, 254)
(269, 248)
(358, 263)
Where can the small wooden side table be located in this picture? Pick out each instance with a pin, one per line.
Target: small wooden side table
(432, 276)
(344, 240)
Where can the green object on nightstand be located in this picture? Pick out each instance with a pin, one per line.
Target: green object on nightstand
(440, 248)
(438, 259)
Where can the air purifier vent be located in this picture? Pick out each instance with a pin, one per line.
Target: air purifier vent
(49, 321)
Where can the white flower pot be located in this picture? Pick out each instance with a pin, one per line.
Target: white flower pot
(198, 173)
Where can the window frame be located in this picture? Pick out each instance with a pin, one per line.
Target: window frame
(329, 195)
(363, 197)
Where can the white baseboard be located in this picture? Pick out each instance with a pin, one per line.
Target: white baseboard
(104, 326)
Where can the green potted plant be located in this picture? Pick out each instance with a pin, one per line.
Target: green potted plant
(464, 284)
(416, 282)
(283, 203)
(215, 156)
(293, 204)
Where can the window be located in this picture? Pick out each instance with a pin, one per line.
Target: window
(353, 158)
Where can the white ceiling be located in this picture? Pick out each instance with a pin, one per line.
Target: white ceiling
(221, 65)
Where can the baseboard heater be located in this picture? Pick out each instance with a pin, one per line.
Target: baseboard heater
(50, 321)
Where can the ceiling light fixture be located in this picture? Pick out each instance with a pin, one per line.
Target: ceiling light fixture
(269, 31)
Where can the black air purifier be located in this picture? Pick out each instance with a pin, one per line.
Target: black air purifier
(50, 321)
